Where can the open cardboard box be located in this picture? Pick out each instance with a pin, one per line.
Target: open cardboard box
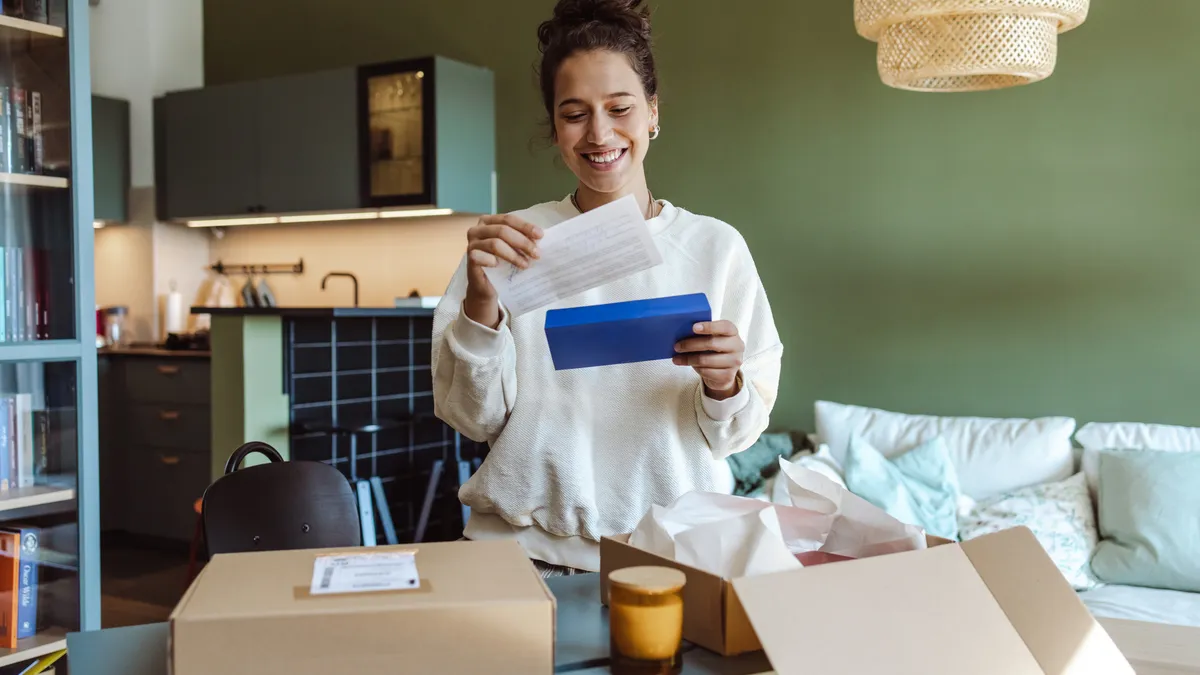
(996, 605)
(254, 612)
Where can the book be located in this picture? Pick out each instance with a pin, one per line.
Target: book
(24, 445)
(20, 111)
(6, 435)
(41, 446)
(41, 293)
(6, 130)
(16, 262)
(10, 584)
(10, 457)
(27, 579)
(10, 286)
(37, 147)
(29, 293)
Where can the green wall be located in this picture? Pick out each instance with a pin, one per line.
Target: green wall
(1023, 252)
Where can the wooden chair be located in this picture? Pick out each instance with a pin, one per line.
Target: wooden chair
(278, 506)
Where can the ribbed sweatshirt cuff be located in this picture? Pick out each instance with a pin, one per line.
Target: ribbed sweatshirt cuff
(477, 338)
(722, 411)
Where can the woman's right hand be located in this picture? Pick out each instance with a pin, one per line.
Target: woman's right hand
(495, 239)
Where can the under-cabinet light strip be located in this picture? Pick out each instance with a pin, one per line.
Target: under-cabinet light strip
(320, 217)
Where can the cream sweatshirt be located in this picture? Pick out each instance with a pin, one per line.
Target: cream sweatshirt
(580, 454)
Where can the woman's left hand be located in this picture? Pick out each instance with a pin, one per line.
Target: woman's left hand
(716, 354)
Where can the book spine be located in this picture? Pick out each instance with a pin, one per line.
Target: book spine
(37, 144)
(29, 291)
(5, 133)
(17, 318)
(36, 10)
(20, 110)
(10, 552)
(41, 284)
(14, 437)
(6, 449)
(4, 334)
(10, 299)
(24, 440)
(41, 441)
(27, 582)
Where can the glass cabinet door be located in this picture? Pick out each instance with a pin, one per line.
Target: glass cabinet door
(395, 124)
(36, 215)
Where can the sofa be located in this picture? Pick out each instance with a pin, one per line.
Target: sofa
(1045, 473)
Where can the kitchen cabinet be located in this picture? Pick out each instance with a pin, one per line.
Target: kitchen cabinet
(110, 158)
(414, 133)
(210, 138)
(155, 430)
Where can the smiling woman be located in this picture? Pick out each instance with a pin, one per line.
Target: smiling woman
(581, 454)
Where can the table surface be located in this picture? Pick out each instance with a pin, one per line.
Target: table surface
(581, 646)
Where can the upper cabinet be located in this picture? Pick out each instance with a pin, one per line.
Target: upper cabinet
(110, 158)
(417, 133)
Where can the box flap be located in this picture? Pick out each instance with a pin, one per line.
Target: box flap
(1043, 608)
(271, 583)
(927, 613)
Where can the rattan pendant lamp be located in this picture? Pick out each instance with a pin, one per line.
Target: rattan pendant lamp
(966, 45)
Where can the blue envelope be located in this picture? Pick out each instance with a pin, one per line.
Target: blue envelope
(623, 332)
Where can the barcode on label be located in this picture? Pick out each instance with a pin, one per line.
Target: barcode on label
(327, 578)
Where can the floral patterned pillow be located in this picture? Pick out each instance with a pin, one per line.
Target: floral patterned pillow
(1059, 514)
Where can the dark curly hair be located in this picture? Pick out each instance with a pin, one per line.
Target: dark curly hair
(621, 26)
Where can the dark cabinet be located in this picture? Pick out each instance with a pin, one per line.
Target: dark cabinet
(155, 430)
(417, 133)
(307, 143)
(110, 158)
(211, 161)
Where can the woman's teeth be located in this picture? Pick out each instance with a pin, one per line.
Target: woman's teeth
(605, 157)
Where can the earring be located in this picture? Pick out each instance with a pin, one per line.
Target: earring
(655, 131)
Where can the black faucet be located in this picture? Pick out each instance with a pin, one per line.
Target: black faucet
(343, 274)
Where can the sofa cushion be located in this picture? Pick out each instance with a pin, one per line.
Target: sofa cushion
(1097, 436)
(1059, 514)
(990, 456)
(1144, 604)
(918, 487)
(1149, 515)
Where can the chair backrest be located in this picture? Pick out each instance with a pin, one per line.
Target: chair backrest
(279, 506)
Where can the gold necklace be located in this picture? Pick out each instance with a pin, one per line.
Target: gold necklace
(649, 206)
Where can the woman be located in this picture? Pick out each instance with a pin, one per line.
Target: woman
(580, 454)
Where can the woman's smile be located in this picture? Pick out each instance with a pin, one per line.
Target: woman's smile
(606, 160)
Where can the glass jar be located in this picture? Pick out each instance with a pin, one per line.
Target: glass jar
(645, 617)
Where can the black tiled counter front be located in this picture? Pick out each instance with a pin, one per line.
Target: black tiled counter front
(350, 367)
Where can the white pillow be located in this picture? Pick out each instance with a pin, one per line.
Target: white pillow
(991, 456)
(1097, 436)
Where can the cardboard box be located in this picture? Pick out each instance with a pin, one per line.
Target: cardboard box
(996, 605)
(622, 332)
(481, 608)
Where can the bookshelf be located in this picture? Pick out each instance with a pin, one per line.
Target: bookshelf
(34, 180)
(48, 405)
(13, 28)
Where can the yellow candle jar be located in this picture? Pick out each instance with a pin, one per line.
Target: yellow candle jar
(645, 617)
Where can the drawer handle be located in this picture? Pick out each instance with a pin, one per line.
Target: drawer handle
(168, 370)
(168, 415)
(169, 461)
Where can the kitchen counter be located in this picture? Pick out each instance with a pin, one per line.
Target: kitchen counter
(154, 351)
(316, 312)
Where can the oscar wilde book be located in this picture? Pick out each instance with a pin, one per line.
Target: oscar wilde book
(27, 580)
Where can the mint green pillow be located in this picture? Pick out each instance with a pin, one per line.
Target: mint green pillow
(919, 487)
(1149, 519)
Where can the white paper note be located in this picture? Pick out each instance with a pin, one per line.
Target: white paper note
(363, 572)
(585, 252)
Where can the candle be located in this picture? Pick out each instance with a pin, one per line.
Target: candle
(646, 617)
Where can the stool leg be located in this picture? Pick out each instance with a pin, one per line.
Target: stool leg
(435, 476)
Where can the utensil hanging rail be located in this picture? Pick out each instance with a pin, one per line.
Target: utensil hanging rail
(259, 268)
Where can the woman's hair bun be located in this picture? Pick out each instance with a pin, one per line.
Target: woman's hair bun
(573, 16)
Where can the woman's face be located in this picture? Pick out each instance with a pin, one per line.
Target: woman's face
(602, 120)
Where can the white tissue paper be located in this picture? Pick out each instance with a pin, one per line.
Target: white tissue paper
(737, 537)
